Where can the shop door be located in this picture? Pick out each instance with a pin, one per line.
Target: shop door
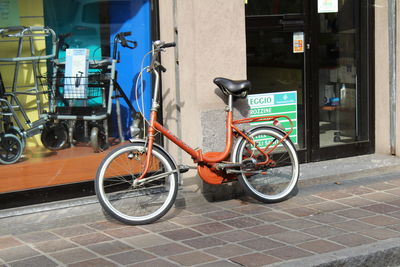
(296, 47)
(277, 59)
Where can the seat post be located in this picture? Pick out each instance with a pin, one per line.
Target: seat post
(230, 101)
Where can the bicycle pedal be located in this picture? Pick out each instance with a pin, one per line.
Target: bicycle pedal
(183, 168)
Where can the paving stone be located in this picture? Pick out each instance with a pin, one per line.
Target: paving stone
(204, 242)
(212, 228)
(17, 253)
(181, 234)
(320, 246)
(292, 237)
(352, 225)
(288, 253)
(147, 240)
(222, 215)
(168, 249)
(352, 240)
(251, 209)
(236, 235)
(333, 195)
(327, 218)
(154, 263)
(395, 202)
(73, 231)
(298, 224)
(358, 190)
(267, 229)
(89, 239)
(108, 248)
(380, 220)
(323, 231)
(206, 208)
(73, 255)
(255, 259)
(379, 196)
(381, 208)
(274, 216)
(309, 200)
(329, 206)
(356, 202)
(37, 237)
(105, 225)
(261, 244)
(192, 258)
(125, 232)
(161, 226)
(54, 245)
(243, 222)
(191, 220)
(354, 213)
(34, 261)
(228, 251)
(301, 211)
(130, 257)
(219, 264)
(380, 233)
(94, 263)
(8, 242)
(380, 186)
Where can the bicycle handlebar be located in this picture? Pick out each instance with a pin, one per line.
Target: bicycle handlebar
(173, 44)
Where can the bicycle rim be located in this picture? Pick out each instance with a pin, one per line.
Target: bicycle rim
(271, 182)
(140, 204)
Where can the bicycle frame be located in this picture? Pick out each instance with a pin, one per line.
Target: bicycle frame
(210, 158)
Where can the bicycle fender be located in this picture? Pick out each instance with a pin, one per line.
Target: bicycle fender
(132, 140)
(250, 130)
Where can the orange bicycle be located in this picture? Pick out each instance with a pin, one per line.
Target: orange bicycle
(137, 183)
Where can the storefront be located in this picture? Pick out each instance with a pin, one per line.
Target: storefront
(321, 50)
(329, 56)
(63, 85)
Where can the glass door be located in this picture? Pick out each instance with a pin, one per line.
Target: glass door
(342, 88)
(276, 60)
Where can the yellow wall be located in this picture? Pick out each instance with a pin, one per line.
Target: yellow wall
(31, 14)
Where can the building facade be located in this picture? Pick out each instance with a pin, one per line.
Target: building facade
(336, 58)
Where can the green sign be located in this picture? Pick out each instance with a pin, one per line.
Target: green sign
(273, 104)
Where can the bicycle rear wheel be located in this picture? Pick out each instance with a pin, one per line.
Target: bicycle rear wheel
(273, 182)
(128, 199)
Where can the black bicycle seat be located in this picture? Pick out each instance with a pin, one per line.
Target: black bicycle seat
(234, 88)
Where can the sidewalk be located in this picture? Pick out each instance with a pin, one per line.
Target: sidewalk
(349, 215)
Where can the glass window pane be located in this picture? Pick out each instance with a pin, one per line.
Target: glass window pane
(339, 89)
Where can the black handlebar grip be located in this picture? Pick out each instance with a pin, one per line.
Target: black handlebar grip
(173, 44)
(126, 33)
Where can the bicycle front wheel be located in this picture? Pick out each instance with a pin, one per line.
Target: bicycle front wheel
(134, 201)
(272, 182)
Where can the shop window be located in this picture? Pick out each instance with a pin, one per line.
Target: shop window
(33, 74)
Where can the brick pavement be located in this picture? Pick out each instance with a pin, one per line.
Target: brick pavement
(325, 220)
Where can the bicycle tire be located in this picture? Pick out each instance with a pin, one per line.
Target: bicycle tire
(10, 149)
(136, 205)
(268, 183)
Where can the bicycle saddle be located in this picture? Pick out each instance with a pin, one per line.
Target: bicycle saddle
(235, 88)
